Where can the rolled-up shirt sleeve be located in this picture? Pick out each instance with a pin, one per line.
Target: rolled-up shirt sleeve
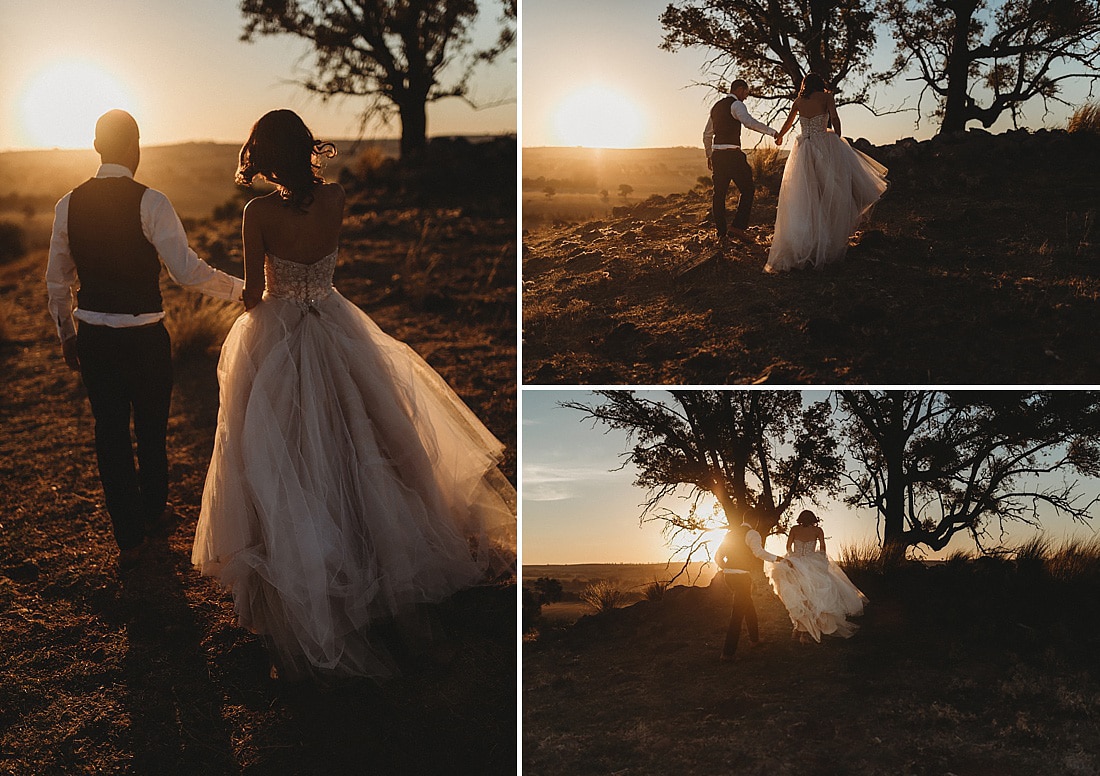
(757, 547)
(741, 113)
(162, 227)
(61, 275)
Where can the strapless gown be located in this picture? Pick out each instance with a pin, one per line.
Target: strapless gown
(817, 593)
(348, 483)
(827, 188)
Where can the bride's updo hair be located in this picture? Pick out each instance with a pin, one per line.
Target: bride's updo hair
(807, 517)
(283, 151)
(810, 84)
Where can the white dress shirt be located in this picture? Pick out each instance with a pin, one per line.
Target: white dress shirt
(161, 227)
(741, 113)
(756, 546)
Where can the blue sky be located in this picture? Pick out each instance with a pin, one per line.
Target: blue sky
(578, 509)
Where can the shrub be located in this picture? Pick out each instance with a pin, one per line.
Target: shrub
(13, 242)
(199, 324)
(656, 589)
(1086, 119)
(603, 596)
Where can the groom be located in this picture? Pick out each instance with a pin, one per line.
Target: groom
(108, 233)
(735, 557)
(726, 160)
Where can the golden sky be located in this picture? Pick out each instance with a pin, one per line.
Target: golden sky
(181, 69)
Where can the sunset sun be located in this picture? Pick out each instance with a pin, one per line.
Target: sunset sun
(61, 102)
(598, 116)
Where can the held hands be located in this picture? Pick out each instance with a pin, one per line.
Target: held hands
(68, 351)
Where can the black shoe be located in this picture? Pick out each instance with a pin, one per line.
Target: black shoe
(164, 524)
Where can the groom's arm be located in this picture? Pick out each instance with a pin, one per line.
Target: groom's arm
(757, 547)
(708, 139)
(163, 228)
(741, 113)
(61, 279)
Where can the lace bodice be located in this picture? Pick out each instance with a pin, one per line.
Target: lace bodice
(815, 125)
(304, 284)
(801, 549)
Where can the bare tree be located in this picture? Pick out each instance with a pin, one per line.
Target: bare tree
(772, 44)
(395, 55)
(980, 59)
(751, 450)
(934, 464)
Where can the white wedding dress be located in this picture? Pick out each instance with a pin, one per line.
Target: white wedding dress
(827, 187)
(348, 484)
(818, 595)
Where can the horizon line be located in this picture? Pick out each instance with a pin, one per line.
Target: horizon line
(237, 143)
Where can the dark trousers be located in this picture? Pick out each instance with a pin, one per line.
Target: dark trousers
(731, 165)
(743, 612)
(128, 373)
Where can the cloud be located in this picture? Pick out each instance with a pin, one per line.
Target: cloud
(555, 482)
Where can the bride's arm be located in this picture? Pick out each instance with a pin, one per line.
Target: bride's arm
(821, 540)
(833, 118)
(786, 125)
(253, 255)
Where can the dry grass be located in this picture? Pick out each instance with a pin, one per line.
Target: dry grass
(7, 328)
(603, 596)
(154, 675)
(1085, 119)
(985, 248)
(655, 590)
(961, 667)
(198, 324)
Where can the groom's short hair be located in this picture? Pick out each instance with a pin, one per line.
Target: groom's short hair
(740, 83)
(114, 132)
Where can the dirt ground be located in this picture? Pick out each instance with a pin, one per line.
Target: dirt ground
(641, 690)
(151, 675)
(978, 266)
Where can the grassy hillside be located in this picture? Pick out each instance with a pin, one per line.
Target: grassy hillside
(152, 674)
(978, 266)
(974, 666)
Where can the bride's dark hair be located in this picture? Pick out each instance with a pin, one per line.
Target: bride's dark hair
(807, 517)
(283, 150)
(812, 83)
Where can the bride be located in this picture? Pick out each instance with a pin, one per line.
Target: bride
(348, 483)
(827, 187)
(818, 595)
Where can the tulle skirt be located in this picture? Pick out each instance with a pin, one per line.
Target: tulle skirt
(348, 485)
(818, 595)
(827, 187)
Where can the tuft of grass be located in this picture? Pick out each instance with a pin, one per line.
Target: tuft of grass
(1085, 119)
(656, 589)
(766, 162)
(199, 324)
(603, 596)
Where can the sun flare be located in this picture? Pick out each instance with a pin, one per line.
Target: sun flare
(599, 116)
(61, 102)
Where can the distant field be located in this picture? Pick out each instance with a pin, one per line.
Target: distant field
(585, 182)
(197, 177)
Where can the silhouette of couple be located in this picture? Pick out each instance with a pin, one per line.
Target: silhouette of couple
(827, 187)
(818, 596)
(348, 483)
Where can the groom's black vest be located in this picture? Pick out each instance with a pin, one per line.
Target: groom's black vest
(736, 550)
(118, 267)
(727, 129)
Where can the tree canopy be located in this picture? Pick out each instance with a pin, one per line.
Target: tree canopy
(980, 58)
(397, 56)
(752, 450)
(773, 45)
(934, 464)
